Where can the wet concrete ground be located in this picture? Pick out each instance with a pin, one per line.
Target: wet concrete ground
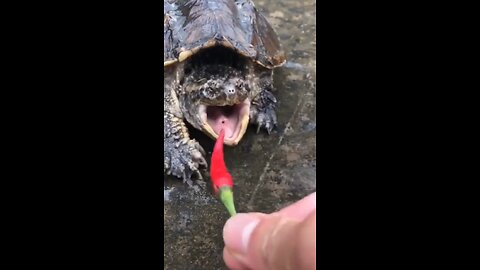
(269, 171)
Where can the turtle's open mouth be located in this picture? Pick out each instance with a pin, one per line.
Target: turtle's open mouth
(233, 119)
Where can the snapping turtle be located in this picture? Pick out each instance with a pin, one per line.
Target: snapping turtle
(218, 59)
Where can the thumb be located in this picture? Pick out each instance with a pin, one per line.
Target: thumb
(263, 242)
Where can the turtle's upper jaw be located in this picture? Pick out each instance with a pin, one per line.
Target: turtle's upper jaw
(233, 119)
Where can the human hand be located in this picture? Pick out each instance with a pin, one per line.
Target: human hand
(282, 240)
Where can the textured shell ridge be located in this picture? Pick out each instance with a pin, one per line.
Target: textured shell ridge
(192, 25)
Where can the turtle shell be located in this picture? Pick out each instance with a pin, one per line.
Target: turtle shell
(192, 25)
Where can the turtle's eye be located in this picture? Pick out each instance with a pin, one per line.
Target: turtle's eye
(240, 84)
(209, 92)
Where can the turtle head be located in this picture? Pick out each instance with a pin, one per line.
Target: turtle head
(217, 96)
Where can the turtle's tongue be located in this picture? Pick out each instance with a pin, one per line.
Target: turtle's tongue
(226, 118)
(232, 119)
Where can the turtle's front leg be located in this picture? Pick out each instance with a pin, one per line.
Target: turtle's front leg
(262, 111)
(182, 156)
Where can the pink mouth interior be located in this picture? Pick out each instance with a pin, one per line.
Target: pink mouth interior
(226, 117)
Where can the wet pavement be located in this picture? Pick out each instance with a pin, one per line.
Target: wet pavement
(269, 171)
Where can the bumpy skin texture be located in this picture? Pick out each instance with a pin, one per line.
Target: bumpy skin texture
(183, 157)
(262, 110)
(225, 86)
(192, 25)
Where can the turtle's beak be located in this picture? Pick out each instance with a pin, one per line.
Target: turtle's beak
(226, 196)
(233, 119)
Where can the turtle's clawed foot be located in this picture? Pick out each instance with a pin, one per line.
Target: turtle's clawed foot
(266, 119)
(184, 159)
(262, 112)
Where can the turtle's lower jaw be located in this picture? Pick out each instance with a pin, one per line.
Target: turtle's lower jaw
(233, 119)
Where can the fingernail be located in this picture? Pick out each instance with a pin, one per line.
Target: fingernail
(238, 231)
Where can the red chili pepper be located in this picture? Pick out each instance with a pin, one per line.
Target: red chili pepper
(222, 180)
